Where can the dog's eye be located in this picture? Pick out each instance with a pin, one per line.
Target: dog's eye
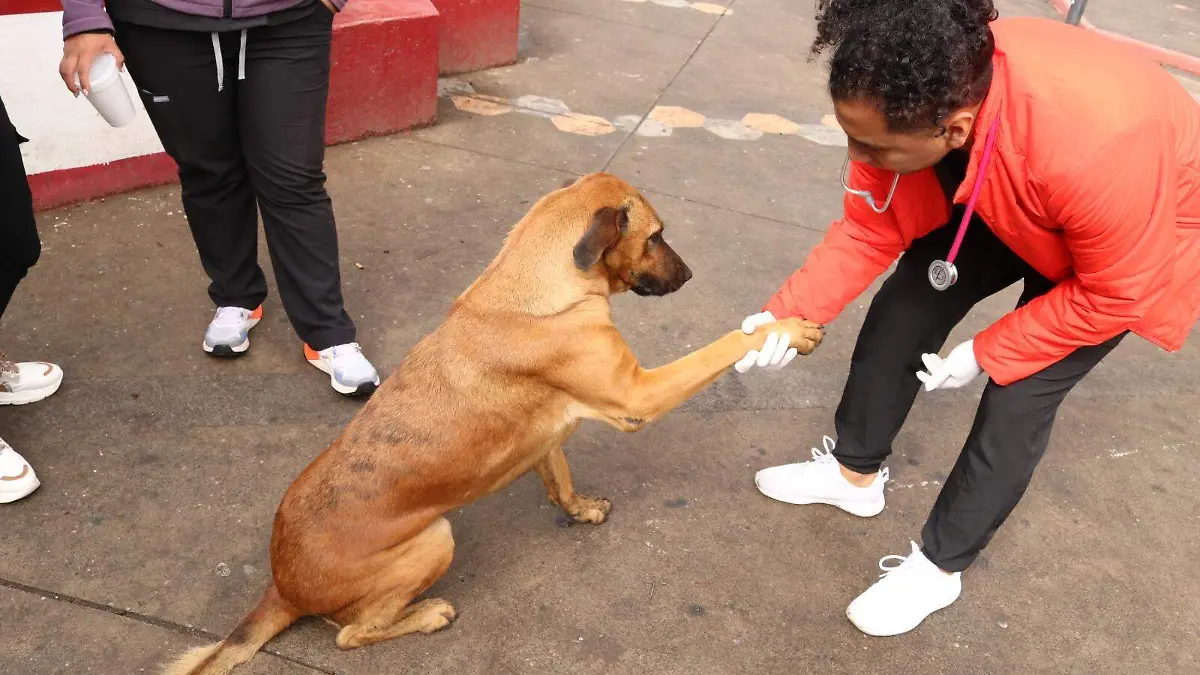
(656, 238)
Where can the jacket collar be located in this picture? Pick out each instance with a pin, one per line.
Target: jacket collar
(993, 107)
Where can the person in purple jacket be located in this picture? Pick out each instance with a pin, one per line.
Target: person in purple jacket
(236, 90)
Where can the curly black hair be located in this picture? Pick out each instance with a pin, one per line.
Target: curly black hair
(918, 60)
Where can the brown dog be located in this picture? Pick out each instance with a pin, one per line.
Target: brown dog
(525, 354)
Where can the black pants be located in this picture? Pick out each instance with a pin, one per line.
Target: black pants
(19, 243)
(1012, 426)
(257, 142)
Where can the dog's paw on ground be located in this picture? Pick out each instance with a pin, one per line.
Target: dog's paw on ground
(593, 511)
(434, 615)
(426, 616)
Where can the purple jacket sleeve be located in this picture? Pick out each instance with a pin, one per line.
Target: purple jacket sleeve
(80, 16)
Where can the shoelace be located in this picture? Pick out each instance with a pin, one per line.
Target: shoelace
(903, 560)
(340, 351)
(230, 316)
(7, 367)
(824, 455)
(888, 558)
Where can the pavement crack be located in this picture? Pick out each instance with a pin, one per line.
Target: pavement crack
(417, 138)
(662, 92)
(664, 193)
(549, 7)
(736, 212)
(150, 620)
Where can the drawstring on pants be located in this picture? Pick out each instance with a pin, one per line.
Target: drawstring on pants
(242, 57)
(216, 41)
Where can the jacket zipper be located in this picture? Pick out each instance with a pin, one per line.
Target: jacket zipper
(228, 9)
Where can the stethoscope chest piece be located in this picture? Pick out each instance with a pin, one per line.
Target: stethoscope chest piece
(942, 274)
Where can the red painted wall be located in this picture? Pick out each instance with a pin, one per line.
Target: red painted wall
(29, 6)
(384, 76)
(477, 34)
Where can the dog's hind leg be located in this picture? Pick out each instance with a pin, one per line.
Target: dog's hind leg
(556, 474)
(386, 612)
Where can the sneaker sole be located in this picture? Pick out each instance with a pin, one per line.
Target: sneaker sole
(364, 389)
(862, 510)
(226, 351)
(899, 631)
(30, 396)
(10, 497)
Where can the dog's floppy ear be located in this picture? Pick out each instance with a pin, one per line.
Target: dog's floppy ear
(608, 224)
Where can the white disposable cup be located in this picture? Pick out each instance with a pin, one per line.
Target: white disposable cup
(107, 92)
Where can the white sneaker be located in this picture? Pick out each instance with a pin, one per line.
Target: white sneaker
(22, 383)
(229, 332)
(17, 479)
(350, 372)
(904, 596)
(821, 482)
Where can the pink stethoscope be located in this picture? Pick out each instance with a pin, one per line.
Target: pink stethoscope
(942, 273)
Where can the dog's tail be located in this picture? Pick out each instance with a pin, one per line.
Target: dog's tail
(267, 620)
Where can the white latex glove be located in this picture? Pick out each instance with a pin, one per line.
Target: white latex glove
(956, 370)
(775, 354)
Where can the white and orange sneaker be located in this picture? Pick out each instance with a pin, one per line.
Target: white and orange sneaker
(17, 479)
(350, 372)
(27, 382)
(229, 332)
(22, 383)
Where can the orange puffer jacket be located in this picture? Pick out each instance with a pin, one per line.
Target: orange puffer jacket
(1094, 181)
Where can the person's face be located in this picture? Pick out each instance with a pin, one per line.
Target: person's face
(872, 143)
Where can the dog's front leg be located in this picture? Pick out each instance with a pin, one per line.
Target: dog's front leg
(629, 397)
(556, 475)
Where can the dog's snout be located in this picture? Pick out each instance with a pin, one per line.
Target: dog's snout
(668, 274)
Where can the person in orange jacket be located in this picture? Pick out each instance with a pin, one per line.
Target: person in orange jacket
(983, 152)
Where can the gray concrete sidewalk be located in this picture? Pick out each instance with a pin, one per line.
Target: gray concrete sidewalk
(162, 468)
